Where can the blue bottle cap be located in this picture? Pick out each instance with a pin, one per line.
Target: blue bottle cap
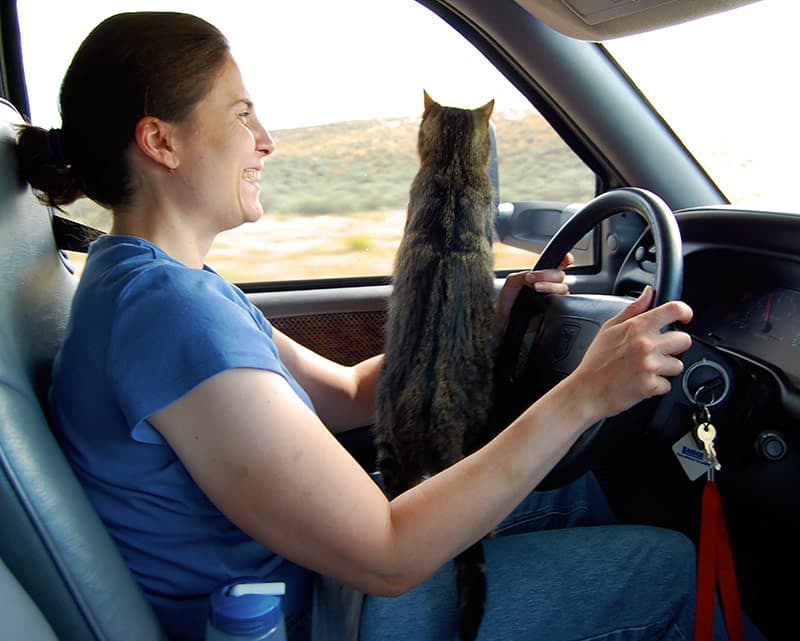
(247, 614)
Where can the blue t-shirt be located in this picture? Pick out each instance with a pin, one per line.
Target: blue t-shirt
(145, 329)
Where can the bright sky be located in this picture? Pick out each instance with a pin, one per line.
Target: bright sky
(728, 86)
(268, 34)
(746, 63)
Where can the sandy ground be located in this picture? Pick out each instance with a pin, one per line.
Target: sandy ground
(325, 246)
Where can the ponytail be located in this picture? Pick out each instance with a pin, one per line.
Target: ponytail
(44, 164)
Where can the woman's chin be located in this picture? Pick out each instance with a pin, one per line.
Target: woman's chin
(255, 214)
(252, 211)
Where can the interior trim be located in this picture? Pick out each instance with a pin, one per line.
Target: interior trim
(613, 19)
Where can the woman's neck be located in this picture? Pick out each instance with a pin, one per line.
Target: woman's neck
(169, 232)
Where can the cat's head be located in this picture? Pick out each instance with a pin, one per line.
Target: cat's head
(451, 132)
(484, 112)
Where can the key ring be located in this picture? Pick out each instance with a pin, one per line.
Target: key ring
(701, 407)
(721, 383)
(696, 400)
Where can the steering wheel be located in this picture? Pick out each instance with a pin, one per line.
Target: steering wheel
(547, 335)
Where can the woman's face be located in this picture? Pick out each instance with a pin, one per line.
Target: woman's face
(220, 150)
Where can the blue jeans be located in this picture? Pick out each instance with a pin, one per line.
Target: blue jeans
(558, 570)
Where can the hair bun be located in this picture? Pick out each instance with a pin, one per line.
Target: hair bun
(55, 146)
(42, 163)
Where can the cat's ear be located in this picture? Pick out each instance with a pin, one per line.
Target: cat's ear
(486, 110)
(429, 102)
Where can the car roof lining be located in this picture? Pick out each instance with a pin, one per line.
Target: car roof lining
(600, 20)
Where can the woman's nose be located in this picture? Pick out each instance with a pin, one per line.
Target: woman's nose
(264, 142)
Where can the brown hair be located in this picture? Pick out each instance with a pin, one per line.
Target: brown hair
(130, 66)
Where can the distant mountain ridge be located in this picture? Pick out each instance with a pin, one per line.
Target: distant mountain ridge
(368, 165)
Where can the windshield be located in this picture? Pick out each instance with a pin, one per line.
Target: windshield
(727, 85)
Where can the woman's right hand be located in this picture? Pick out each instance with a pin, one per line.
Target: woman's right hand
(631, 358)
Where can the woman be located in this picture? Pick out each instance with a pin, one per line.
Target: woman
(205, 443)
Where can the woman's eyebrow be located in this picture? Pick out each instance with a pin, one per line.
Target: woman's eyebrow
(243, 101)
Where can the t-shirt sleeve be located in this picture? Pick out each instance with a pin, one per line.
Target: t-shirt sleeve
(173, 329)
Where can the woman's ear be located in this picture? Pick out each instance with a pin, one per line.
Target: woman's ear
(154, 138)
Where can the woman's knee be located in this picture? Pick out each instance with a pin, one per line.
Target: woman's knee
(667, 548)
(665, 559)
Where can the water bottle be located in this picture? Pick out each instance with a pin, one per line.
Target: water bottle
(246, 611)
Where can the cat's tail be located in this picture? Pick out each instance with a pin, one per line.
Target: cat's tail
(471, 585)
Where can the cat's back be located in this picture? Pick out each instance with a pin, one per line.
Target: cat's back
(433, 393)
(441, 311)
(450, 199)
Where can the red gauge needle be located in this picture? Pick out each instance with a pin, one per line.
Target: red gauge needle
(768, 308)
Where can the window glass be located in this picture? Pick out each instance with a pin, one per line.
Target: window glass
(725, 85)
(339, 86)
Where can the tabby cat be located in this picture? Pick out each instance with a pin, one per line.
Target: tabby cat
(434, 392)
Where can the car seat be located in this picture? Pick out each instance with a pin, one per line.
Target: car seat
(22, 620)
(51, 539)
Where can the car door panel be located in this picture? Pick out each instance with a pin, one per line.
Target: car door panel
(343, 324)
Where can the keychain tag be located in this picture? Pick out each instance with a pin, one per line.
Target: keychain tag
(692, 458)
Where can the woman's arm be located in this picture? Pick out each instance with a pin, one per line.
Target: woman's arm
(273, 468)
(344, 397)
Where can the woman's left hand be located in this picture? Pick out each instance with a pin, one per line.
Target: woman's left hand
(544, 281)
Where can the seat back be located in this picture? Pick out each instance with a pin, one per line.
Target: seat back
(51, 539)
(22, 620)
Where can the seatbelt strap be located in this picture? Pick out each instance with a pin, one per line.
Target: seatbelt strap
(71, 235)
(715, 563)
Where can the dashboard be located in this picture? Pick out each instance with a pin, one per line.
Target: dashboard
(763, 322)
(742, 279)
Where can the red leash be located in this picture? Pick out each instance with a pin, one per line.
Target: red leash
(715, 561)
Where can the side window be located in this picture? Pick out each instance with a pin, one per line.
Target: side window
(342, 96)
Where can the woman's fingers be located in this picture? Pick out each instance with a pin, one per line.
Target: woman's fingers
(548, 281)
(675, 311)
(545, 281)
(567, 261)
(632, 357)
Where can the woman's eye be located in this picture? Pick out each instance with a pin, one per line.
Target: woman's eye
(244, 116)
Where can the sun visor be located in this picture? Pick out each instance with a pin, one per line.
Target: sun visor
(606, 19)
